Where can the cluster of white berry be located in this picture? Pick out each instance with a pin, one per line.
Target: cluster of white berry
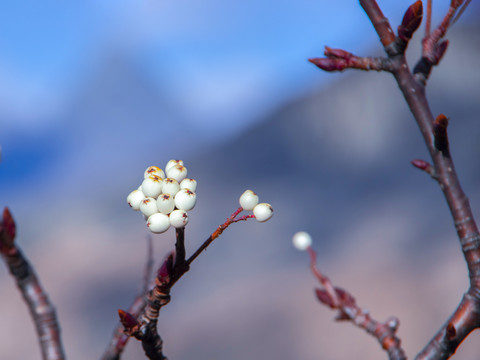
(249, 201)
(165, 197)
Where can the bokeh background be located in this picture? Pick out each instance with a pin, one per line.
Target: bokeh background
(92, 92)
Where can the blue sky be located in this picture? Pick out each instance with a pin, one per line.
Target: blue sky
(219, 66)
(210, 54)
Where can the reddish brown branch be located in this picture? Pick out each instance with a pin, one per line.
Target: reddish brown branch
(144, 326)
(428, 22)
(41, 309)
(432, 48)
(467, 315)
(231, 220)
(119, 338)
(380, 23)
(339, 60)
(339, 299)
(443, 345)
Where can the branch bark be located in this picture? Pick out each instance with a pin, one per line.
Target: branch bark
(40, 306)
(466, 317)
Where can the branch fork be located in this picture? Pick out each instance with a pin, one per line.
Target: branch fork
(466, 317)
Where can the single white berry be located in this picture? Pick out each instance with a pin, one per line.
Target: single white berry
(190, 184)
(158, 223)
(165, 203)
(177, 172)
(135, 198)
(185, 199)
(148, 206)
(248, 200)
(152, 186)
(178, 218)
(170, 186)
(302, 240)
(263, 212)
(154, 170)
(173, 163)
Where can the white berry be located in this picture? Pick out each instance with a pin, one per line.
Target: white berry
(190, 184)
(154, 170)
(170, 186)
(177, 172)
(152, 185)
(148, 206)
(302, 240)
(158, 223)
(173, 163)
(263, 212)
(178, 218)
(185, 199)
(248, 200)
(165, 203)
(135, 198)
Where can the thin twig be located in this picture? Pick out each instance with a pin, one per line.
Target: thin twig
(428, 21)
(339, 299)
(466, 317)
(172, 269)
(40, 306)
(232, 219)
(120, 339)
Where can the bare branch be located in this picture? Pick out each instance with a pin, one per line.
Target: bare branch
(467, 315)
(172, 269)
(339, 299)
(41, 309)
(119, 338)
(232, 219)
(339, 60)
(380, 23)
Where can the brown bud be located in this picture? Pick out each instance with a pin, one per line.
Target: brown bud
(440, 133)
(128, 320)
(411, 21)
(451, 332)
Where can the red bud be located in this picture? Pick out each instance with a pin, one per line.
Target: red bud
(7, 230)
(165, 272)
(324, 298)
(345, 298)
(330, 64)
(411, 21)
(338, 53)
(420, 164)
